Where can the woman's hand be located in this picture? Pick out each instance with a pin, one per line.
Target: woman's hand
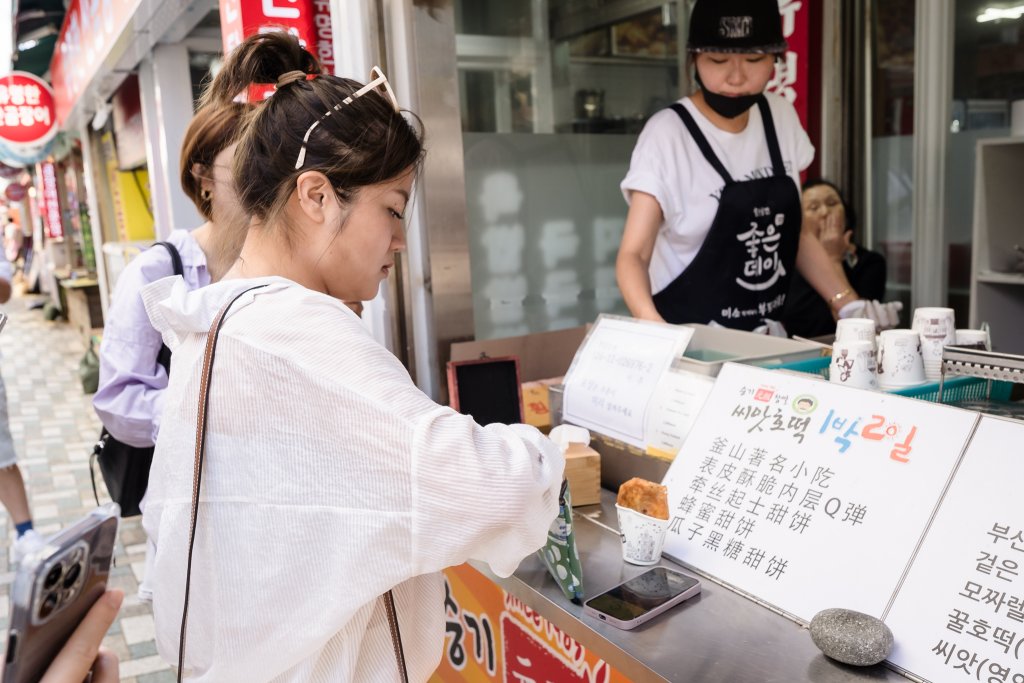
(834, 236)
(83, 654)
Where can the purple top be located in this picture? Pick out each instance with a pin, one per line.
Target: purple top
(132, 383)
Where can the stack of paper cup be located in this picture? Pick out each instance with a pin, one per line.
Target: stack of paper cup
(853, 364)
(900, 361)
(937, 328)
(974, 339)
(850, 329)
(642, 536)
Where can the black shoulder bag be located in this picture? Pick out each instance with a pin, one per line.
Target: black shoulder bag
(125, 468)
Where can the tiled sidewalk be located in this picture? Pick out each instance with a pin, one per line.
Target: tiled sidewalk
(54, 428)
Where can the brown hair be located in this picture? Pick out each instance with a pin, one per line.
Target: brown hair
(362, 143)
(215, 127)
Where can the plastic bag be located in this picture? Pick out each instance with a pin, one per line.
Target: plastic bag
(89, 370)
(559, 554)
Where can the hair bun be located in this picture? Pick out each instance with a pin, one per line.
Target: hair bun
(290, 77)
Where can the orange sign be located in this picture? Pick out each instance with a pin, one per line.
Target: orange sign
(492, 636)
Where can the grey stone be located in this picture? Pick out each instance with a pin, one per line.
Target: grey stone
(851, 637)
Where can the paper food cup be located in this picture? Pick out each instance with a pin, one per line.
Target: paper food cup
(642, 537)
(852, 329)
(854, 364)
(937, 327)
(974, 339)
(900, 360)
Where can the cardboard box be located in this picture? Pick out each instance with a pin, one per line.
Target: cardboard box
(543, 360)
(583, 470)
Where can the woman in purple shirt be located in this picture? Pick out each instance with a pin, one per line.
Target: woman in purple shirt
(132, 382)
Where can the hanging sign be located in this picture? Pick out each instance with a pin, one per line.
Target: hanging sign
(50, 204)
(307, 20)
(806, 494)
(89, 32)
(615, 373)
(15, 192)
(792, 77)
(27, 110)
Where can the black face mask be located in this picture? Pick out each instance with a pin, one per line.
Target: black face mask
(725, 105)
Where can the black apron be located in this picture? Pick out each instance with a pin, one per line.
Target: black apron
(741, 274)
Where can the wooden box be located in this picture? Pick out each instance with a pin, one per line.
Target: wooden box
(583, 470)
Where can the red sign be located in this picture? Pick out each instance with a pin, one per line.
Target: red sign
(91, 27)
(307, 20)
(27, 116)
(50, 201)
(15, 192)
(792, 74)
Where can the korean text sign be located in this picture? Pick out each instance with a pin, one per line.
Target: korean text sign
(27, 110)
(792, 79)
(792, 489)
(611, 381)
(307, 20)
(959, 614)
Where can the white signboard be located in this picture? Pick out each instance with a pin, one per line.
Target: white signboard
(959, 614)
(608, 389)
(675, 405)
(806, 494)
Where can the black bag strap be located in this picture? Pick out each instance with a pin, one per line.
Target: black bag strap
(197, 481)
(163, 357)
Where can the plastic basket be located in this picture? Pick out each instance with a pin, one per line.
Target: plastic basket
(955, 389)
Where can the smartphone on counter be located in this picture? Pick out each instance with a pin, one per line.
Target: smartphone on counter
(54, 588)
(642, 598)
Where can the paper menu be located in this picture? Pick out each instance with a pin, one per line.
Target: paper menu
(806, 494)
(960, 610)
(611, 381)
(675, 405)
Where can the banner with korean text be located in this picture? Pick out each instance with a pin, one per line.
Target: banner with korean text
(492, 637)
(792, 72)
(809, 495)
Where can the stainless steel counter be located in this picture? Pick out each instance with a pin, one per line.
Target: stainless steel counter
(719, 636)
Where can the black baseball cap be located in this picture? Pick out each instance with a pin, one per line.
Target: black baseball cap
(736, 26)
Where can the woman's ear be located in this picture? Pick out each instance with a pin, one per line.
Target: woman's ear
(202, 173)
(314, 193)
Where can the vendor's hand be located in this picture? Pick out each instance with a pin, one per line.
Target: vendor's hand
(886, 316)
(83, 654)
(834, 236)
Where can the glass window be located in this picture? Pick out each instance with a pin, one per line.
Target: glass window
(892, 143)
(553, 96)
(987, 78)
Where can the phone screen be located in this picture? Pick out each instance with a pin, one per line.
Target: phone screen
(641, 594)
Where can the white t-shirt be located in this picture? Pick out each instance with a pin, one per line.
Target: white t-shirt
(329, 478)
(668, 165)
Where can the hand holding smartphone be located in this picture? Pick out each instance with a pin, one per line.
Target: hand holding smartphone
(54, 589)
(642, 598)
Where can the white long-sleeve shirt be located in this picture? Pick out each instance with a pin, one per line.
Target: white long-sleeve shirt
(329, 478)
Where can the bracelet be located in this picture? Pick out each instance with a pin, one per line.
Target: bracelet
(841, 295)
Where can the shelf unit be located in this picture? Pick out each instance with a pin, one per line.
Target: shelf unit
(997, 294)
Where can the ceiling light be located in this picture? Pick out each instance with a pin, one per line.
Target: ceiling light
(997, 13)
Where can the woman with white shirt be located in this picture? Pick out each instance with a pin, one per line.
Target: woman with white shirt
(713, 233)
(132, 378)
(329, 480)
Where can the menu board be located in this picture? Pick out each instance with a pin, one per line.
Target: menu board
(960, 611)
(675, 406)
(809, 495)
(609, 386)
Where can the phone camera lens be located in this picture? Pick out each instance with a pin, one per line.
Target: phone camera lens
(73, 573)
(48, 605)
(53, 576)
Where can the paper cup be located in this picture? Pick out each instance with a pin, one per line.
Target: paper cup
(853, 329)
(900, 359)
(642, 536)
(854, 364)
(974, 339)
(937, 327)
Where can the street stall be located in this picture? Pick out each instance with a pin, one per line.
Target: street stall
(788, 495)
